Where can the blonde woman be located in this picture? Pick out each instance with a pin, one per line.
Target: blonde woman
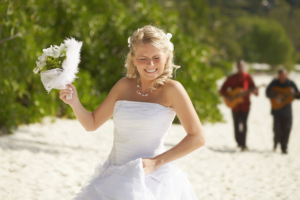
(143, 106)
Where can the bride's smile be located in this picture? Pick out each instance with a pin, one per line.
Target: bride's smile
(150, 61)
(150, 71)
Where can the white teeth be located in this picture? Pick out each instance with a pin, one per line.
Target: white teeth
(151, 70)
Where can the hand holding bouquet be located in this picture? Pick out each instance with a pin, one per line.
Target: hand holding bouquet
(59, 64)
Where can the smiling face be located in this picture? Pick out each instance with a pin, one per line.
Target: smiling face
(149, 60)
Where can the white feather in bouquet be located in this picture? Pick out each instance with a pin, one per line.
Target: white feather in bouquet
(70, 65)
(58, 78)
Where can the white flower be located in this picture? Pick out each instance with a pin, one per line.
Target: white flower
(62, 47)
(169, 36)
(171, 45)
(36, 70)
(56, 53)
(55, 50)
(128, 42)
(42, 58)
(40, 65)
(49, 51)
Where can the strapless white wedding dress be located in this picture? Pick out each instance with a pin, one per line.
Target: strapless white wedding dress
(140, 131)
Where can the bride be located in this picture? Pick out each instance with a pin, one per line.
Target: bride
(143, 106)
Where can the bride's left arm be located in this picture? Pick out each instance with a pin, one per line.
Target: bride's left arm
(181, 103)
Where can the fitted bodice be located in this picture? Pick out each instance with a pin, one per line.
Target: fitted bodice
(140, 129)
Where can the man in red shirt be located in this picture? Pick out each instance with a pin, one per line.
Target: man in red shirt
(240, 112)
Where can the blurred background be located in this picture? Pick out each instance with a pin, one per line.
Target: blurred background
(209, 36)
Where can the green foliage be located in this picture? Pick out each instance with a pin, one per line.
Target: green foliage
(199, 75)
(208, 36)
(288, 15)
(265, 41)
(257, 31)
(256, 40)
(104, 27)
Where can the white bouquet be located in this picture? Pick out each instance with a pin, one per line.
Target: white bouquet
(59, 64)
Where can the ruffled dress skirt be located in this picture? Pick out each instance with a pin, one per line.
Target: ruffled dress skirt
(128, 182)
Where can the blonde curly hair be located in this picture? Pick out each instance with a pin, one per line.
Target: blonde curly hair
(156, 37)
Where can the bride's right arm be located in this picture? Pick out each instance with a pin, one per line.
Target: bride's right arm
(92, 121)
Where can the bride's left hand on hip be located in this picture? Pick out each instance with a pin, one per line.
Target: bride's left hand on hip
(149, 165)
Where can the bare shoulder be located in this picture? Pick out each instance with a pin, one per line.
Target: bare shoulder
(174, 93)
(119, 88)
(178, 98)
(124, 83)
(172, 86)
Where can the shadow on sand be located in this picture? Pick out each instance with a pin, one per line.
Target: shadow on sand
(35, 146)
(231, 150)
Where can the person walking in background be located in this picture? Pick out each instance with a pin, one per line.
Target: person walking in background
(282, 92)
(236, 93)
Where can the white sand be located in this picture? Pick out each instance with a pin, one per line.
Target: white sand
(52, 160)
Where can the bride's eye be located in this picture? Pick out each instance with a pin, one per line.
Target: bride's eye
(156, 58)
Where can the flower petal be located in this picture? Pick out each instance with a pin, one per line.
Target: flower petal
(128, 41)
(171, 46)
(169, 36)
(36, 70)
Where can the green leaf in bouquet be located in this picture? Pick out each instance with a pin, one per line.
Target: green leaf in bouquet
(53, 63)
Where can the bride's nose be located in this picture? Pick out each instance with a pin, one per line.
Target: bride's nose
(151, 63)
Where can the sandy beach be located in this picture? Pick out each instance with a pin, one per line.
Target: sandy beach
(51, 160)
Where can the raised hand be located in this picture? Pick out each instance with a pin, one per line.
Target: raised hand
(70, 90)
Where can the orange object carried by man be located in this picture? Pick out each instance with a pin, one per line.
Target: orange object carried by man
(285, 96)
(282, 91)
(236, 96)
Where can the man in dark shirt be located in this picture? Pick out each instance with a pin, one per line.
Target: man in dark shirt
(241, 79)
(283, 116)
